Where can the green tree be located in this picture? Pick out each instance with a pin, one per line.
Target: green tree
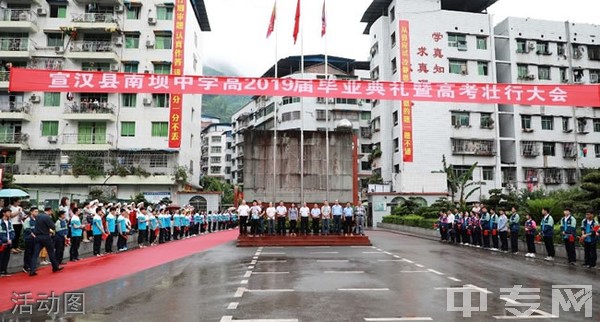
(139, 198)
(216, 184)
(462, 184)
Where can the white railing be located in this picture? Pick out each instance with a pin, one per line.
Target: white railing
(14, 107)
(46, 63)
(87, 139)
(14, 138)
(90, 108)
(92, 46)
(16, 44)
(94, 17)
(18, 15)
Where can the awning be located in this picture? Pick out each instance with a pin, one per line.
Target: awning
(57, 1)
(133, 62)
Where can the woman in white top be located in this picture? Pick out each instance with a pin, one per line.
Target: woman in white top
(16, 219)
(304, 212)
(315, 213)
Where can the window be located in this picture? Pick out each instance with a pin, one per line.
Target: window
(460, 170)
(458, 67)
(394, 66)
(128, 129)
(51, 99)
(132, 40)
(395, 117)
(396, 144)
(163, 41)
(597, 150)
(596, 125)
(458, 41)
(49, 128)
(460, 119)
(482, 68)
(365, 166)
(522, 71)
(563, 75)
(376, 124)
(129, 100)
(160, 129)
(349, 101)
(594, 76)
(54, 40)
(392, 14)
(488, 173)
(158, 161)
(374, 50)
(130, 67)
(367, 116)
(215, 149)
(481, 42)
(548, 123)
(366, 148)
(162, 68)
(542, 47)
(521, 46)
(215, 139)
(164, 13)
(486, 121)
(549, 148)
(526, 122)
(565, 124)
(544, 72)
(58, 11)
(215, 170)
(215, 159)
(289, 100)
(582, 125)
(160, 100)
(375, 73)
(133, 12)
(393, 39)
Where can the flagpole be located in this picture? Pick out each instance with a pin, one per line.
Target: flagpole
(301, 112)
(275, 116)
(324, 31)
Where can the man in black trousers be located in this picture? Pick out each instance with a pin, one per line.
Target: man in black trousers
(44, 228)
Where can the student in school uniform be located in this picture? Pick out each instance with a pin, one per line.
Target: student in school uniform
(547, 232)
(589, 236)
(98, 230)
(62, 228)
(122, 230)
(530, 230)
(28, 238)
(111, 225)
(7, 234)
(514, 225)
(503, 230)
(458, 226)
(568, 230)
(476, 223)
(153, 225)
(485, 226)
(142, 224)
(315, 213)
(209, 219)
(196, 223)
(176, 224)
(494, 228)
(76, 234)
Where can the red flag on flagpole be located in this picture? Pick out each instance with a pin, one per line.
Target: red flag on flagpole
(323, 21)
(272, 21)
(297, 22)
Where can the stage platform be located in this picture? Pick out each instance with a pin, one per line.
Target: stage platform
(331, 240)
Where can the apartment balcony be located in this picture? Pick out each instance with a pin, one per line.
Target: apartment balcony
(10, 168)
(473, 147)
(102, 2)
(99, 51)
(90, 112)
(95, 21)
(46, 63)
(16, 48)
(18, 20)
(87, 142)
(14, 140)
(4, 77)
(15, 112)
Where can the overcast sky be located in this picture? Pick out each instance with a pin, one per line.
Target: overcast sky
(239, 28)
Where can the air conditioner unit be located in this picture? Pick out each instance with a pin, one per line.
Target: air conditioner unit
(147, 101)
(114, 67)
(59, 49)
(119, 41)
(52, 139)
(35, 99)
(149, 43)
(119, 8)
(151, 21)
(41, 12)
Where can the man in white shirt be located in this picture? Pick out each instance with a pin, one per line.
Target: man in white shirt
(304, 212)
(315, 213)
(326, 217)
(271, 211)
(243, 211)
(451, 226)
(337, 212)
(281, 215)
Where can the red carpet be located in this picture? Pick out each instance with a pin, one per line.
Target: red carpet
(96, 270)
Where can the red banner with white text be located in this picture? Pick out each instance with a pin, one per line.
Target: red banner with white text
(32, 80)
(176, 106)
(406, 106)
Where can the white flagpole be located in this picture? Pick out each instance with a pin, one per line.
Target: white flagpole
(326, 107)
(301, 111)
(275, 103)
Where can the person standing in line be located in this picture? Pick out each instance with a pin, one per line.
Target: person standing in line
(304, 213)
(514, 224)
(459, 225)
(142, 221)
(360, 213)
(28, 238)
(348, 217)
(466, 238)
(176, 224)
(16, 218)
(547, 232)
(315, 213)
(293, 217)
(76, 234)
(243, 211)
(444, 226)
(494, 228)
(326, 215)
(161, 226)
(255, 212)
(98, 231)
(216, 217)
(153, 223)
(568, 231)
(111, 223)
(503, 230)
(62, 228)
(589, 236)
(337, 211)
(44, 228)
(451, 227)
(209, 220)
(530, 229)
(271, 211)
(281, 216)
(7, 235)
(476, 230)
(122, 230)
(196, 223)
(485, 226)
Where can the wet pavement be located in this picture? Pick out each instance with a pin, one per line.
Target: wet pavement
(401, 278)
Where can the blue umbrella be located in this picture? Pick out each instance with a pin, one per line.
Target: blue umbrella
(13, 193)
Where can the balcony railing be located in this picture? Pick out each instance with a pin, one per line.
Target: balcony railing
(14, 107)
(92, 46)
(4, 76)
(473, 147)
(90, 108)
(92, 139)
(94, 17)
(46, 63)
(10, 168)
(14, 138)
(18, 15)
(16, 44)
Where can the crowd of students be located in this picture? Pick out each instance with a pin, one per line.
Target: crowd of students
(97, 223)
(324, 220)
(478, 226)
